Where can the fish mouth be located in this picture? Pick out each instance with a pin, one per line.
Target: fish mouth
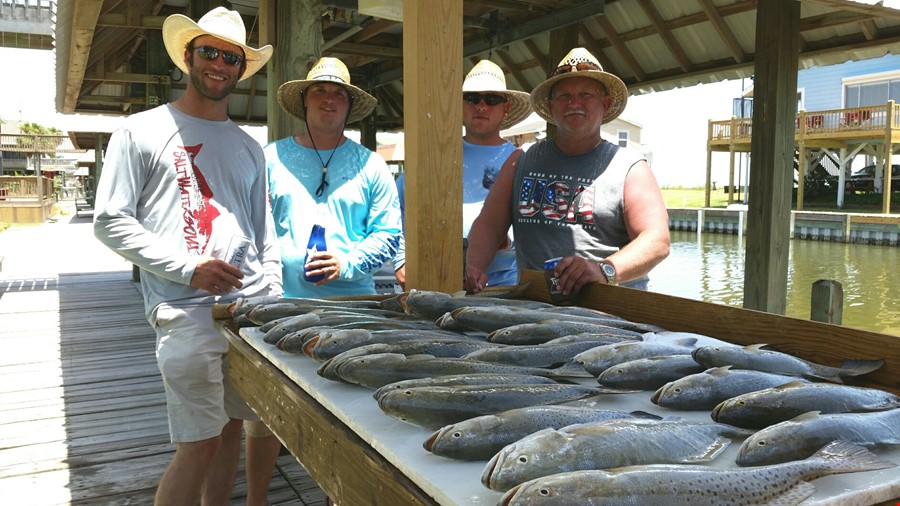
(488, 472)
(308, 347)
(429, 443)
(456, 311)
(655, 397)
(490, 336)
(716, 411)
(403, 304)
(507, 498)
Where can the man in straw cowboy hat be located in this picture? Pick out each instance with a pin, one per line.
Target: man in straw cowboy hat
(576, 196)
(183, 196)
(488, 107)
(320, 177)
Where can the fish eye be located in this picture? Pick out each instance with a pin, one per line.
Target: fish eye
(407, 392)
(761, 443)
(742, 403)
(544, 492)
(522, 459)
(457, 434)
(676, 390)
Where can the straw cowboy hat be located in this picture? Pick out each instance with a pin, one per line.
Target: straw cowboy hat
(326, 70)
(581, 63)
(178, 31)
(486, 76)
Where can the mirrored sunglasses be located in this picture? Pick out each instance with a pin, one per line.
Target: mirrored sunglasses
(489, 98)
(211, 53)
(565, 69)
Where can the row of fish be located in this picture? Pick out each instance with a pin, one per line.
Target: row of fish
(505, 386)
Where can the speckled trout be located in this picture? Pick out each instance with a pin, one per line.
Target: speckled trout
(692, 485)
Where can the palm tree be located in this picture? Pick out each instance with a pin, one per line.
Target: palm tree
(44, 140)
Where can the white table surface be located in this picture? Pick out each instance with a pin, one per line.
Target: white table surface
(453, 482)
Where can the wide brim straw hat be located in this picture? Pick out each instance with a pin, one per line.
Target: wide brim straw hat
(178, 31)
(326, 70)
(486, 76)
(581, 63)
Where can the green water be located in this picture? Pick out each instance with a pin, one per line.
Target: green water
(711, 268)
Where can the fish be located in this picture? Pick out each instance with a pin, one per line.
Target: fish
(538, 355)
(482, 437)
(290, 324)
(330, 344)
(615, 321)
(605, 445)
(648, 373)
(491, 318)
(431, 305)
(538, 333)
(436, 406)
(265, 312)
(464, 379)
(704, 390)
(758, 359)
(769, 406)
(799, 437)
(374, 371)
(600, 358)
(694, 485)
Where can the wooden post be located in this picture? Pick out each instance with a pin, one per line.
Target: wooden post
(888, 164)
(709, 136)
(827, 302)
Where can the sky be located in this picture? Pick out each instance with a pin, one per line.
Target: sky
(675, 122)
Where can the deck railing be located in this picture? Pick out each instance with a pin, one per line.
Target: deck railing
(25, 187)
(855, 122)
(28, 143)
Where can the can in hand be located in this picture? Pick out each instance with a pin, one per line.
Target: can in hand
(550, 264)
(237, 250)
(316, 243)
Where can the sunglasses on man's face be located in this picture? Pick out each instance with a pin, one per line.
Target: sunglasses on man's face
(211, 53)
(489, 98)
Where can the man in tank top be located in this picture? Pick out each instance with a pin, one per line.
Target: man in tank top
(576, 196)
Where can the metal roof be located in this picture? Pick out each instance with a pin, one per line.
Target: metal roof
(110, 58)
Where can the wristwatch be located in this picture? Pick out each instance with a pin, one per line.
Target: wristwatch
(609, 272)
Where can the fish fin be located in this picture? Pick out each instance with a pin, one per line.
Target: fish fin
(712, 451)
(755, 347)
(850, 457)
(793, 384)
(644, 414)
(686, 341)
(809, 415)
(718, 371)
(859, 367)
(458, 295)
(793, 495)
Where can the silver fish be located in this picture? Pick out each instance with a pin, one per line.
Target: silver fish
(374, 371)
(491, 318)
(330, 344)
(436, 406)
(691, 485)
(799, 437)
(288, 325)
(538, 355)
(600, 358)
(604, 445)
(706, 389)
(773, 405)
(537, 333)
(481, 437)
(431, 305)
(648, 373)
(756, 358)
(452, 380)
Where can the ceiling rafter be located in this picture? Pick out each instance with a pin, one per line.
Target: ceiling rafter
(663, 30)
(725, 32)
(619, 45)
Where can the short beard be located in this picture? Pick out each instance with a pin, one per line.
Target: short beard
(197, 80)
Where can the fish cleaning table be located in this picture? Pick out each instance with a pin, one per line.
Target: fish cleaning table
(359, 455)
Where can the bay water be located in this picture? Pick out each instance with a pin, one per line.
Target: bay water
(710, 267)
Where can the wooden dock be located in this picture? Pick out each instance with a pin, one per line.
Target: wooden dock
(82, 407)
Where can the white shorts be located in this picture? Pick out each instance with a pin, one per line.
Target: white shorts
(191, 354)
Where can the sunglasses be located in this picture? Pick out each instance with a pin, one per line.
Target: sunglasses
(565, 69)
(489, 98)
(211, 53)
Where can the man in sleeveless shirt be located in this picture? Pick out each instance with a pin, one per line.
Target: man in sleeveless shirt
(576, 196)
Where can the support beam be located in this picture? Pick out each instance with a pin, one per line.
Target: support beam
(772, 155)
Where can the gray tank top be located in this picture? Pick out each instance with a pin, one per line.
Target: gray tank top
(568, 204)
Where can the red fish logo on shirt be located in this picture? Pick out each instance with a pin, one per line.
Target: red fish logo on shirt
(198, 210)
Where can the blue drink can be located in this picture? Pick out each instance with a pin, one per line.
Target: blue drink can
(316, 244)
(551, 263)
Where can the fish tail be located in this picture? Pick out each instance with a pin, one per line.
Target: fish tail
(844, 457)
(860, 367)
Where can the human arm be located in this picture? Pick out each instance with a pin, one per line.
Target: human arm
(400, 257)
(489, 230)
(647, 223)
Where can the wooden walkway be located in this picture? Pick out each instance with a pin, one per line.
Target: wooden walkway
(82, 407)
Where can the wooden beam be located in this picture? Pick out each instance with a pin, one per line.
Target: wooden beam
(724, 31)
(591, 44)
(620, 46)
(671, 42)
(537, 55)
(84, 22)
(129, 20)
(772, 156)
(122, 77)
(514, 69)
(432, 32)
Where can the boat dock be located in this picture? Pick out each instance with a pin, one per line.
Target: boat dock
(82, 406)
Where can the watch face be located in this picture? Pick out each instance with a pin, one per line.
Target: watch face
(609, 271)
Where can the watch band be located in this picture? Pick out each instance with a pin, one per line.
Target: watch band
(609, 272)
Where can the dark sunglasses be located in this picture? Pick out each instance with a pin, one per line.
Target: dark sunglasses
(211, 53)
(489, 98)
(565, 69)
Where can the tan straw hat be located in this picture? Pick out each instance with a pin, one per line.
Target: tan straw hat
(581, 63)
(326, 70)
(487, 76)
(178, 31)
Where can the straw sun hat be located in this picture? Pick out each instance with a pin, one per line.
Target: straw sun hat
(581, 63)
(178, 31)
(486, 76)
(326, 70)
